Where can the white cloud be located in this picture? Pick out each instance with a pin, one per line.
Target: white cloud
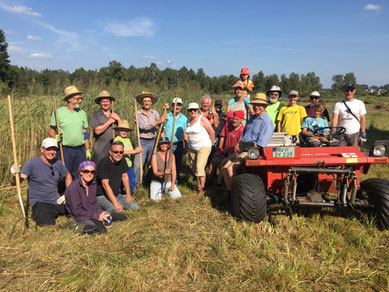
(158, 63)
(41, 56)
(65, 37)
(372, 7)
(34, 38)
(149, 57)
(140, 26)
(22, 10)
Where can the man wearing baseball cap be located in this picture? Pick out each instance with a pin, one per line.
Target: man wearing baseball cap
(44, 172)
(351, 114)
(179, 129)
(73, 124)
(315, 97)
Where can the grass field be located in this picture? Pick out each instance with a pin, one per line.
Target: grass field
(190, 244)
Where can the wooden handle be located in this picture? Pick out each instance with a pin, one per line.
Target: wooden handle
(17, 177)
(137, 133)
(59, 131)
(113, 130)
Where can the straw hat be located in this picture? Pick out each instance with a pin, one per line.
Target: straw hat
(69, 91)
(123, 125)
(139, 98)
(260, 98)
(102, 95)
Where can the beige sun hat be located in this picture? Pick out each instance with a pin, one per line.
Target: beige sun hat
(274, 88)
(260, 98)
(139, 98)
(102, 95)
(123, 125)
(71, 90)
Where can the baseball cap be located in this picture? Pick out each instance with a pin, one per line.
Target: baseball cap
(315, 93)
(49, 142)
(177, 99)
(239, 114)
(349, 85)
(294, 92)
(193, 105)
(163, 140)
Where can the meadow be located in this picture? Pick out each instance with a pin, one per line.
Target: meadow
(187, 245)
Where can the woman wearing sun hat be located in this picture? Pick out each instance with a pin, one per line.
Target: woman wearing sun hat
(102, 122)
(164, 171)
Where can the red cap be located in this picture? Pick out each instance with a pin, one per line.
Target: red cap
(229, 116)
(239, 114)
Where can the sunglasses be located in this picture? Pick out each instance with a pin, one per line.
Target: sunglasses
(314, 97)
(87, 171)
(52, 170)
(192, 110)
(166, 144)
(292, 96)
(117, 152)
(348, 90)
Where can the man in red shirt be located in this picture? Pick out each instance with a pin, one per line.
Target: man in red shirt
(229, 137)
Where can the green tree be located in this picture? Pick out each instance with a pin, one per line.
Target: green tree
(338, 82)
(4, 59)
(350, 78)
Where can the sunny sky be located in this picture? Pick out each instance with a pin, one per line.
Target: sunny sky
(326, 37)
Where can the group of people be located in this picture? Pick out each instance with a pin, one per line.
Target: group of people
(98, 189)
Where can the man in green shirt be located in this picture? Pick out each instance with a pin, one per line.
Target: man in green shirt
(275, 106)
(73, 124)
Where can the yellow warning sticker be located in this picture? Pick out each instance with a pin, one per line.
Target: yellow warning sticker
(351, 160)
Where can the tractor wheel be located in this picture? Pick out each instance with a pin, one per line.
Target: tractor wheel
(248, 198)
(377, 190)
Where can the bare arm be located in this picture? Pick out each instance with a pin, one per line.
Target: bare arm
(335, 118)
(100, 129)
(126, 183)
(13, 179)
(174, 172)
(363, 123)
(52, 131)
(110, 195)
(278, 126)
(68, 179)
(207, 125)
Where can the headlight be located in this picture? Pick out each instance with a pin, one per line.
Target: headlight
(378, 150)
(253, 153)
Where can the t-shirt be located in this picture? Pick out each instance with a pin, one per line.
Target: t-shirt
(309, 110)
(127, 147)
(231, 136)
(258, 130)
(312, 124)
(346, 119)
(290, 118)
(111, 171)
(233, 100)
(71, 125)
(179, 127)
(43, 180)
(273, 111)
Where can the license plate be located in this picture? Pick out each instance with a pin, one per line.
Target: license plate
(283, 152)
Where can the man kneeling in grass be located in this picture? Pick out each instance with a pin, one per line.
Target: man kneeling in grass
(111, 173)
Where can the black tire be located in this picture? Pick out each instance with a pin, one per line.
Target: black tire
(248, 200)
(377, 190)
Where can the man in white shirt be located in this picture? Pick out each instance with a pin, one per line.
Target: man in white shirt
(351, 114)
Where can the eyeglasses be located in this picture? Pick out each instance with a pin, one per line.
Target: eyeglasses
(117, 152)
(166, 144)
(52, 170)
(315, 97)
(87, 171)
(192, 110)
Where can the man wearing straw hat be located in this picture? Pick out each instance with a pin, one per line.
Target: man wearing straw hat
(102, 122)
(44, 173)
(73, 124)
(148, 120)
(258, 131)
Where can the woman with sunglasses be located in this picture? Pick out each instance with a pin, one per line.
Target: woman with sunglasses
(315, 97)
(200, 135)
(164, 172)
(81, 202)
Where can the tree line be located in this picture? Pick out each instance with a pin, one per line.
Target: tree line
(25, 81)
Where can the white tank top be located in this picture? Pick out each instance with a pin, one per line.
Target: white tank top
(198, 136)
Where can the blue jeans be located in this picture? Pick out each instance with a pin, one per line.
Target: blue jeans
(178, 151)
(156, 190)
(73, 156)
(107, 205)
(147, 152)
(131, 178)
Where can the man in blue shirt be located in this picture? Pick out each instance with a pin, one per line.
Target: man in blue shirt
(44, 173)
(179, 128)
(259, 130)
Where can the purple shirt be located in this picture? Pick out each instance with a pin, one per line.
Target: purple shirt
(80, 206)
(147, 130)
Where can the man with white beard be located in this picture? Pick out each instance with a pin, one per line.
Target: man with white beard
(275, 105)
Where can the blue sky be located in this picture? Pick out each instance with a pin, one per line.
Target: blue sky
(326, 37)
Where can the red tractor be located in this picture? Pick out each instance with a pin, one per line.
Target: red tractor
(291, 177)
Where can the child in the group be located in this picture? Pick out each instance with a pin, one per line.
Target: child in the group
(246, 84)
(310, 124)
(123, 128)
(291, 117)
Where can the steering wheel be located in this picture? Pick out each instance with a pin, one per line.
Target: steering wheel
(338, 130)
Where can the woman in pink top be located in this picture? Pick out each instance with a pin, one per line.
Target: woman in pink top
(200, 136)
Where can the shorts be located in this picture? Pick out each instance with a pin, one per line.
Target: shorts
(198, 160)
